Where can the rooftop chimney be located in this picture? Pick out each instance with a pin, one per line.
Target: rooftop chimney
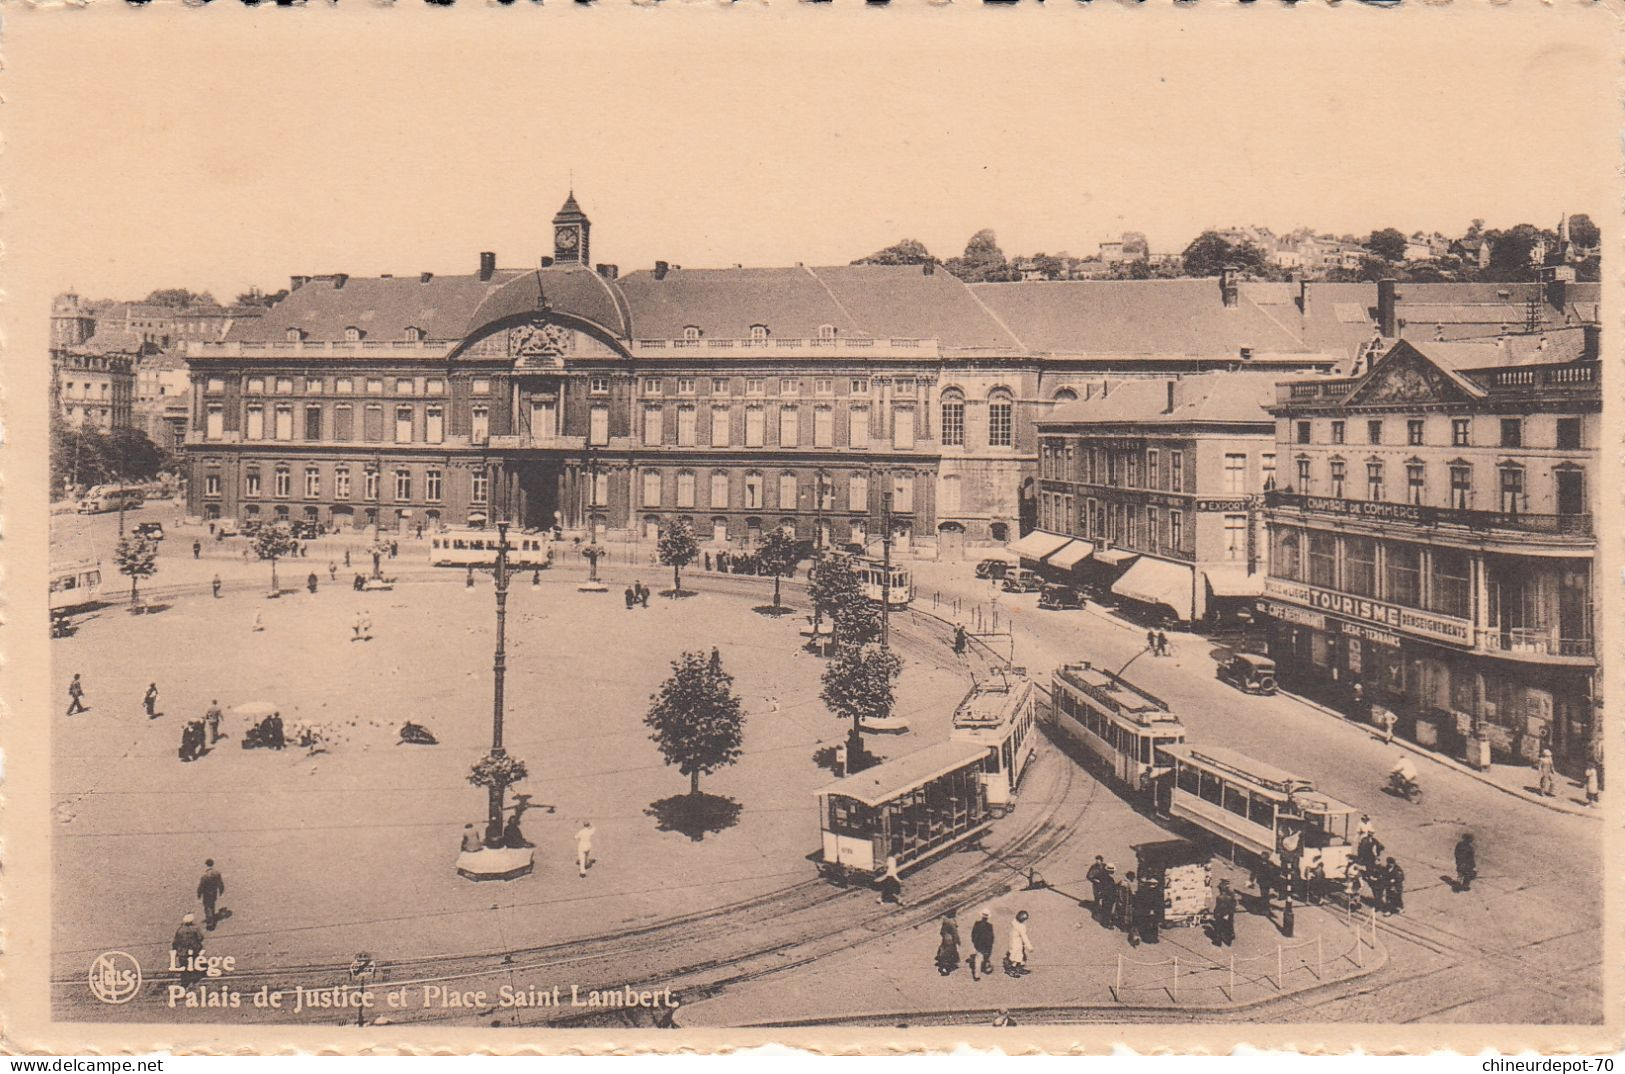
(340, 279)
(1169, 408)
(1387, 320)
(1227, 286)
(661, 268)
(488, 264)
(609, 272)
(1557, 288)
(1303, 298)
(425, 277)
(1593, 342)
(296, 282)
(547, 262)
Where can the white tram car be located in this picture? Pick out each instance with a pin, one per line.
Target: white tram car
(478, 548)
(999, 714)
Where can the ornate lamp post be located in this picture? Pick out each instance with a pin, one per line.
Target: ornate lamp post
(499, 671)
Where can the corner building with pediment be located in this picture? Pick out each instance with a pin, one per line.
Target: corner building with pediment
(740, 399)
(1433, 539)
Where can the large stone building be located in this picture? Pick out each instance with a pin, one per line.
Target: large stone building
(1433, 539)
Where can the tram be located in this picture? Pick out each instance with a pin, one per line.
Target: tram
(1259, 809)
(998, 714)
(872, 574)
(1122, 727)
(906, 811)
(75, 584)
(478, 548)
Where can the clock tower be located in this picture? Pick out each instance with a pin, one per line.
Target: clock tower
(571, 229)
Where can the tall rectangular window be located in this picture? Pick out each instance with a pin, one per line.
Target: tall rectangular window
(1413, 432)
(313, 422)
(903, 492)
(651, 488)
(753, 491)
(1322, 560)
(685, 488)
(1339, 435)
(1461, 431)
(1235, 474)
(1373, 431)
(903, 428)
(652, 425)
(479, 488)
(789, 425)
(1000, 427)
(1176, 530)
(789, 493)
(1511, 489)
(953, 422)
(433, 485)
(480, 424)
(282, 482)
(211, 483)
(755, 419)
(256, 423)
(1303, 432)
(1305, 479)
(721, 417)
(1235, 537)
(1403, 574)
(1461, 486)
(434, 424)
(284, 421)
(719, 490)
(374, 420)
(1512, 432)
(1176, 470)
(685, 426)
(1339, 471)
(1153, 519)
(343, 422)
(251, 483)
(403, 425)
(403, 484)
(1415, 483)
(1374, 489)
(1153, 469)
(341, 483)
(823, 427)
(598, 426)
(857, 492)
(858, 427)
(313, 483)
(1568, 434)
(1360, 566)
(1266, 470)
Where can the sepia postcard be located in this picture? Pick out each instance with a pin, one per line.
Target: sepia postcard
(874, 527)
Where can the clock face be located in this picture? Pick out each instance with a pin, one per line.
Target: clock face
(565, 237)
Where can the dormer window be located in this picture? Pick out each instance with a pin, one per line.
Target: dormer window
(294, 335)
(352, 334)
(413, 334)
(758, 333)
(826, 331)
(691, 331)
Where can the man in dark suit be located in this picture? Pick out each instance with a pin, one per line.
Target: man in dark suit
(209, 888)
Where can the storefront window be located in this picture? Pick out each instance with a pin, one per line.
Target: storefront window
(1452, 584)
(1286, 561)
(1360, 566)
(1323, 560)
(1404, 574)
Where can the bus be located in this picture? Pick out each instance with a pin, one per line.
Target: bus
(1120, 727)
(999, 714)
(1258, 809)
(110, 498)
(478, 548)
(907, 811)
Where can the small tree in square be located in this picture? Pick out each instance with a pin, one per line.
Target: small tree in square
(137, 558)
(779, 555)
(696, 719)
(858, 686)
(273, 542)
(678, 548)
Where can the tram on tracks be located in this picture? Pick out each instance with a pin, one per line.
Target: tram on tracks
(1258, 809)
(999, 713)
(872, 577)
(478, 548)
(905, 812)
(1121, 727)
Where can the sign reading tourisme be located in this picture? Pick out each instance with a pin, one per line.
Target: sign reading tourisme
(1363, 609)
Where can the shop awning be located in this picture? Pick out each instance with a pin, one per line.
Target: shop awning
(1070, 555)
(1232, 580)
(1156, 581)
(1038, 544)
(1116, 556)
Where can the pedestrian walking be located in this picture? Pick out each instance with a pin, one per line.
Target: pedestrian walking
(212, 718)
(210, 886)
(948, 945)
(1548, 774)
(394, 549)
(347, 558)
(959, 640)
(1593, 791)
(1466, 862)
(981, 942)
(355, 628)
(150, 701)
(584, 858)
(1224, 916)
(1394, 888)
(891, 884)
(631, 598)
(708, 561)
(1151, 641)
(1021, 946)
(76, 696)
(1162, 644)
(1387, 719)
(1128, 908)
(259, 622)
(1110, 892)
(197, 549)
(332, 571)
(187, 945)
(643, 594)
(310, 583)
(1097, 877)
(215, 585)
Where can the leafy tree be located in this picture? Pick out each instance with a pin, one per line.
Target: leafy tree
(779, 555)
(982, 261)
(1511, 251)
(906, 252)
(1583, 232)
(87, 456)
(1135, 245)
(678, 548)
(255, 297)
(1209, 252)
(272, 542)
(858, 686)
(137, 558)
(1387, 243)
(836, 593)
(179, 297)
(696, 719)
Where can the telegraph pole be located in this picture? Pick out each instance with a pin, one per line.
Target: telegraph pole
(885, 574)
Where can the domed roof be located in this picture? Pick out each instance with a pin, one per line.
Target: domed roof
(572, 290)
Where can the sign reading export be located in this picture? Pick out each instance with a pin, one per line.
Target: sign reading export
(1405, 620)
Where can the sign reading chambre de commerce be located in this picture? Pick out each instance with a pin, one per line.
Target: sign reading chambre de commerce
(1362, 609)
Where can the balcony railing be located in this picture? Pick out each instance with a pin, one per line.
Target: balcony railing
(1579, 379)
(1539, 641)
(527, 440)
(1574, 525)
(875, 348)
(1313, 391)
(417, 348)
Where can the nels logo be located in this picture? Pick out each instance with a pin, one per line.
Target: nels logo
(114, 977)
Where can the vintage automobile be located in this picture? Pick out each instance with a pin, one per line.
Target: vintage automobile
(1058, 597)
(1021, 581)
(152, 530)
(1249, 672)
(994, 568)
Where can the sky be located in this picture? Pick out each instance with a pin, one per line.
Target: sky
(226, 148)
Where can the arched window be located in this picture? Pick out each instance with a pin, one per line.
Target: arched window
(1287, 559)
(826, 331)
(953, 418)
(691, 331)
(413, 333)
(651, 488)
(719, 488)
(1066, 395)
(758, 333)
(293, 335)
(1000, 424)
(787, 491)
(352, 334)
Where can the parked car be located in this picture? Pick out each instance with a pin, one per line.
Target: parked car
(152, 530)
(1021, 581)
(994, 568)
(1059, 597)
(1249, 672)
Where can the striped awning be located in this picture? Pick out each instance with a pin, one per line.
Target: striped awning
(1157, 581)
(1038, 544)
(1070, 555)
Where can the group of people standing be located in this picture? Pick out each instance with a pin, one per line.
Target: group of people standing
(1156, 643)
(1132, 904)
(1384, 876)
(980, 960)
(637, 595)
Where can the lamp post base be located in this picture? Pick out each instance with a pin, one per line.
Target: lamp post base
(496, 863)
(592, 587)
